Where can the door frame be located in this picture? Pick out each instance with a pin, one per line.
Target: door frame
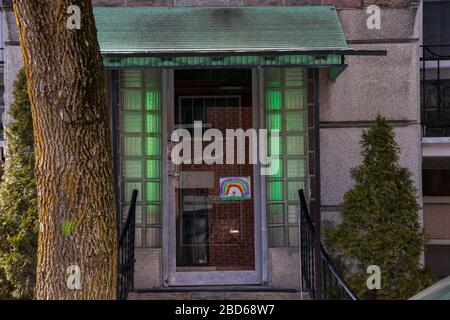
(171, 277)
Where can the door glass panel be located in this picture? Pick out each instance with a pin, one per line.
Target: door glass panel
(215, 209)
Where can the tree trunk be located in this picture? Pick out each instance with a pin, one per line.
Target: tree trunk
(66, 84)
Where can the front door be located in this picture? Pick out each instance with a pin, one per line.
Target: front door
(211, 186)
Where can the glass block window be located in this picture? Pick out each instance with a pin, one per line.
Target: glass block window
(140, 152)
(286, 111)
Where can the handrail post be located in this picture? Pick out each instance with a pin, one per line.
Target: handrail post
(125, 252)
(332, 282)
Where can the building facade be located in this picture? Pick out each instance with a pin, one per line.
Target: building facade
(173, 63)
(435, 67)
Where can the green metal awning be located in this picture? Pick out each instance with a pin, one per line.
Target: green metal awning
(219, 37)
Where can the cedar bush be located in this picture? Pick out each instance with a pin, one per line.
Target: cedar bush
(380, 222)
(18, 201)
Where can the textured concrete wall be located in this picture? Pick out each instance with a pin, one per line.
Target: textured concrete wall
(148, 269)
(369, 86)
(13, 56)
(340, 152)
(284, 268)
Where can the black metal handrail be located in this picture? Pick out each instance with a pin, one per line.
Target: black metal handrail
(435, 92)
(334, 286)
(126, 258)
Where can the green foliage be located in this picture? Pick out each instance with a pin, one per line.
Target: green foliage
(380, 222)
(18, 201)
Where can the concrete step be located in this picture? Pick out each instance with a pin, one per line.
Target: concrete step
(218, 295)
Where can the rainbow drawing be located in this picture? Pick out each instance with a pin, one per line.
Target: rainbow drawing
(235, 188)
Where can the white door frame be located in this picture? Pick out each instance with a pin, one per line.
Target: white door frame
(171, 277)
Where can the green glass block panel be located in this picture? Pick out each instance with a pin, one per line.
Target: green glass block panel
(154, 214)
(275, 213)
(153, 79)
(275, 146)
(273, 78)
(138, 237)
(294, 77)
(152, 100)
(276, 166)
(276, 236)
(153, 169)
(292, 189)
(274, 121)
(132, 169)
(295, 98)
(295, 121)
(153, 237)
(132, 146)
(138, 213)
(153, 191)
(293, 213)
(293, 236)
(128, 188)
(132, 100)
(132, 122)
(275, 191)
(296, 168)
(295, 145)
(131, 78)
(152, 146)
(152, 123)
(273, 100)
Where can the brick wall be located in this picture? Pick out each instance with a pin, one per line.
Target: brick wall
(181, 3)
(227, 249)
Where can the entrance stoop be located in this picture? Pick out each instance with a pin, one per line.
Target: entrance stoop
(219, 293)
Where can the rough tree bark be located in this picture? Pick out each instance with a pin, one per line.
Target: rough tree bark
(73, 153)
